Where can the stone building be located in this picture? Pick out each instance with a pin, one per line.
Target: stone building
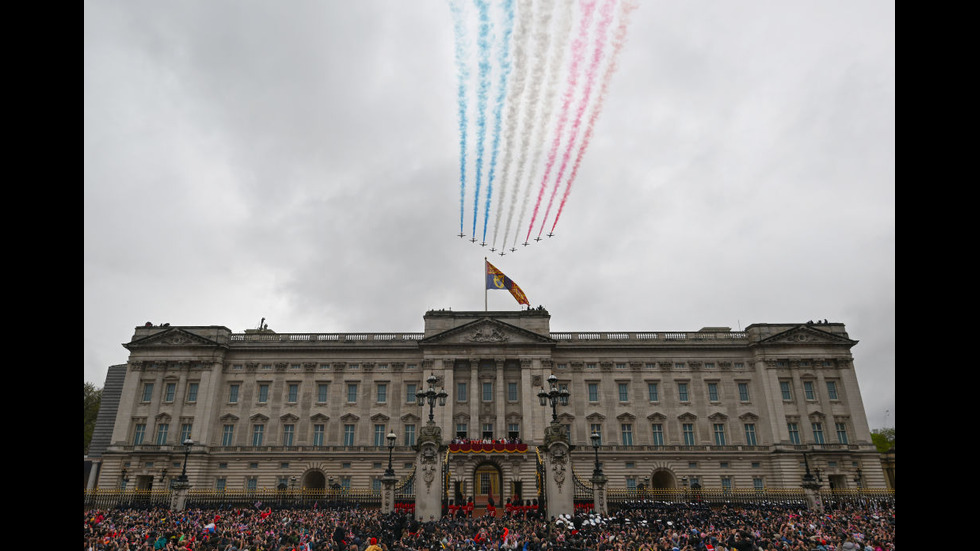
(714, 407)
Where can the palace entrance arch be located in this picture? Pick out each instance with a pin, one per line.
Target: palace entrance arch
(487, 482)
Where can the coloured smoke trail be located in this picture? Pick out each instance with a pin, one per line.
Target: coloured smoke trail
(522, 54)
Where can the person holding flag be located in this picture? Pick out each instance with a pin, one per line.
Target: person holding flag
(497, 280)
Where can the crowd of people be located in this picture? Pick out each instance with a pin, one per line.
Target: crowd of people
(647, 526)
(487, 440)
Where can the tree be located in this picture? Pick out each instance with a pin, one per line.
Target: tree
(93, 399)
(883, 439)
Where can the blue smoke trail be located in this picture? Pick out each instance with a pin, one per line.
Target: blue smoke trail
(481, 99)
(463, 77)
(505, 67)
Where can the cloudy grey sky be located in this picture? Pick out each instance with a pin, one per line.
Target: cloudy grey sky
(299, 162)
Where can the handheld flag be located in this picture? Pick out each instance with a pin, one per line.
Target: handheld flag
(497, 280)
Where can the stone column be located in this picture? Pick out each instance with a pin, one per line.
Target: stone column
(500, 396)
(559, 485)
(428, 480)
(388, 494)
(178, 495)
(599, 494)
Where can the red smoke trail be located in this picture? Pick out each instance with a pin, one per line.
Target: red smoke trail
(578, 51)
(607, 13)
(619, 38)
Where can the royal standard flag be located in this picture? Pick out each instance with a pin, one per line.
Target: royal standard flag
(497, 280)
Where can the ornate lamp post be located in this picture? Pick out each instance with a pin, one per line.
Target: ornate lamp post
(187, 450)
(596, 442)
(554, 396)
(391, 446)
(431, 396)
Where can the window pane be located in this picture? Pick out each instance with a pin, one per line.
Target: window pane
(409, 435)
(784, 387)
(171, 391)
(147, 392)
(627, 429)
(460, 392)
(293, 392)
(487, 392)
(352, 393)
(682, 391)
(688, 429)
(382, 393)
(321, 392)
(713, 392)
(257, 433)
(658, 435)
(719, 434)
(623, 392)
(743, 392)
(317, 435)
(593, 392)
(192, 392)
(794, 433)
(410, 392)
(348, 435)
(233, 394)
(750, 434)
(227, 435)
(512, 392)
(832, 390)
(652, 391)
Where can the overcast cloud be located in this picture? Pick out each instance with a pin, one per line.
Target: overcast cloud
(299, 162)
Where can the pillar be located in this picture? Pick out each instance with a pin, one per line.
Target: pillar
(388, 494)
(428, 485)
(559, 484)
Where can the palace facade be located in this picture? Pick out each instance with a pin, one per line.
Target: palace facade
(713, 407)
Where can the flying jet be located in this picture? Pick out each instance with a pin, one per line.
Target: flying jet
(538, 238)
(484, 244)
(473, 240)
(501, 253)
(526, 243)
(461, 235)
(550, 234)
(512, 249)
(493, 250)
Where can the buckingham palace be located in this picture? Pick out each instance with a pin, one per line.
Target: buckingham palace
(712, 408)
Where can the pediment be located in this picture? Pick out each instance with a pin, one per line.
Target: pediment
(318, 417)
(718, 416)
(229, 417)
(379, 417)
(565, 418)
(807, 334)
(288, 418)
(410, 418)
(174, 336)
(349, 418)
(657, 416)
(259, 418)
(687, 417)
(626, 416)
(486, 331)
(748, 416)
(596, 416)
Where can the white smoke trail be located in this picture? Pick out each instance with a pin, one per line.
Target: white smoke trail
(556, 48)
(515, 97)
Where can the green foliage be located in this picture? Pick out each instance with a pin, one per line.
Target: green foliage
(93, 399)
(883, 439)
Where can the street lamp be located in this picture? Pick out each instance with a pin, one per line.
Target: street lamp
(555, 396)
(391, 446)
(431, 396)
(187, 450)
(596, 442)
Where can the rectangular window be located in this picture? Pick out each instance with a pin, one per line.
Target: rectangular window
(317, 435)
(513, 430)
(794, 433)
(220, 484)
(460, 392)
(682, 391)
(713, 392)
(808, 392)
(743, 392)
(379, 435)
(162, 430)
(351, 393)
(593, 392)
(590, 366)
(409, 435)
(726, 484)
(688, 430)
(138, 433)
(487, 392)
(512, 392)
(832, 390)
(251, 483)
(410, 392)
(596, 428)
(321, 392)
(171, 391)
(630, 483)
(719, 434)
(348, 435)
(185, 432)
(652, 392)
(750, 434)
(817, 433)
(461, 430)
(627, 430)
(488, 430)
(658, 434)
(620, 366)
(287, 435)
(263, 393)
(192, 392)
(757, 484)
(784, 387)
(258, 431)
(841, 432)
(147, 392)
(382, 393)
(227, 435)
(376, 486)
(709, 365)
(293, 393)
(624, 395)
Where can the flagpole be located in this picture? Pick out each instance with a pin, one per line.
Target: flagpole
(484, 284)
